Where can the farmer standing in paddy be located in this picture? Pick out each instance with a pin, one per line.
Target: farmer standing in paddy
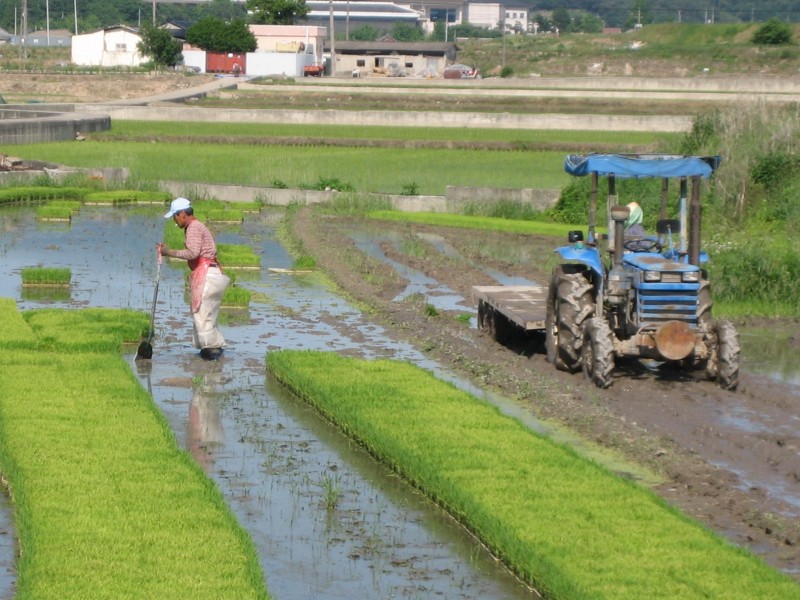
(207, 281)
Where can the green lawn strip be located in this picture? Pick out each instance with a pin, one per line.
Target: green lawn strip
(106, 505)
(15, 333)
(472, 222)
(563, 523)
(88, 329)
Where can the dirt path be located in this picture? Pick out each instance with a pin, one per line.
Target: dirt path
(731, 460)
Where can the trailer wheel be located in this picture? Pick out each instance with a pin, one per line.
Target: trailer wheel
(570, 304)
(726, 355)
(597, 353)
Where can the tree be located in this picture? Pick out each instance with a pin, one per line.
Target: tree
(561, 19)
(403, 32)
(215, 35)
(159, 45)
(639, 15)
(365, 33)
(774, 32)
(277, 12)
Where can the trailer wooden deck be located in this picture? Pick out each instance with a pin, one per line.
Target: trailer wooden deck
(523, 305)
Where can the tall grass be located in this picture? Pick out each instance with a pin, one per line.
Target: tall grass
(566, 525)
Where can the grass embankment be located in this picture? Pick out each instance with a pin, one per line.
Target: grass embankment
(105, 504)
(561, 522)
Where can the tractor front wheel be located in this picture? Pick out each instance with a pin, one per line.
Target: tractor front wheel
(598, 352)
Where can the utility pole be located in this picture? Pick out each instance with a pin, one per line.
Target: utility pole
(25, 29)
(347, 23)
(75, 9)
(154, 13)
(333, 36)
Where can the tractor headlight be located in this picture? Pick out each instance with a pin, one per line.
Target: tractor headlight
(652, 275)
(691, 276)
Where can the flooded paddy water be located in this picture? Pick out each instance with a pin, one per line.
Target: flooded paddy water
(328, 521)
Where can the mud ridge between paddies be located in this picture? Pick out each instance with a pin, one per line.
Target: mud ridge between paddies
(370, 143)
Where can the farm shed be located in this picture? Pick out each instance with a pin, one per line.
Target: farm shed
(110, 47)
(393, 58)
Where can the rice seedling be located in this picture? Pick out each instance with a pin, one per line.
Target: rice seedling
(304, 263)
(431, 310)
(238, 256)
(87, 330)
(225, 215)
(332, 492)
(53, 213)
(46, 276)
(106, 504)
(126, 196)
(236, 297)
(566, 525)
(35, 193)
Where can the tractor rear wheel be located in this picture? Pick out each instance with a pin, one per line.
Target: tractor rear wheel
(570, 303)
(598, 352)
(727, 355)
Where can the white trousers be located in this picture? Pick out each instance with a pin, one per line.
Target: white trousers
(206, 333)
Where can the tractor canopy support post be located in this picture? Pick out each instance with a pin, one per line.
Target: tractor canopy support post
(611, 201)
(593, 209)
(694, 223)
(664, 198)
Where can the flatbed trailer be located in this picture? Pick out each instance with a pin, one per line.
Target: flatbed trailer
(501, 305)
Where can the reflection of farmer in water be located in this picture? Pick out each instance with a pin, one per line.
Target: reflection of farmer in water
(205, 425)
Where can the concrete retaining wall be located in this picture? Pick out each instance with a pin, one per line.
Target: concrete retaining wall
(455, 200)
(23, 124)
(399, 119)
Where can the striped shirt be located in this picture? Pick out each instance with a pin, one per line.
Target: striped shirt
(199, 242)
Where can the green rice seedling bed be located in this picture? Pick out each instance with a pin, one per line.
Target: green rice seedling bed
(15, 332)
(87, 330)
(225, 215)
(236, 297)
(563, 523)
(238, 256)
(46, 276)
(105, 503)
(128, 196)
(34, 193)
(53, 213)
(72, 205)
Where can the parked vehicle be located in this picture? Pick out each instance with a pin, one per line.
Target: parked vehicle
(613, 297)
(459, 71)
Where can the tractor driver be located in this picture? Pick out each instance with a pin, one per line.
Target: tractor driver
(633, 224)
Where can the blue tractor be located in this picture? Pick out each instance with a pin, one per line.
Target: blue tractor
(614, 296)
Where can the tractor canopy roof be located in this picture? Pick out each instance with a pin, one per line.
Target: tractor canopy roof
(641, 165)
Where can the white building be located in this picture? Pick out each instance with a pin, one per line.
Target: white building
(111, 47)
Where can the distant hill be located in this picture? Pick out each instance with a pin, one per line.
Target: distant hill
(616, 12)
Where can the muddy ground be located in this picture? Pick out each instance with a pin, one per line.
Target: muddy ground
(729, 459)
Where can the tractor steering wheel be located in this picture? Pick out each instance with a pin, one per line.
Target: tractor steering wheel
(642, 245)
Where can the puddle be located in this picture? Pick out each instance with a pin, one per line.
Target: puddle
(447, 249)
(772, 353)
(327, 520)
(440, 296)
